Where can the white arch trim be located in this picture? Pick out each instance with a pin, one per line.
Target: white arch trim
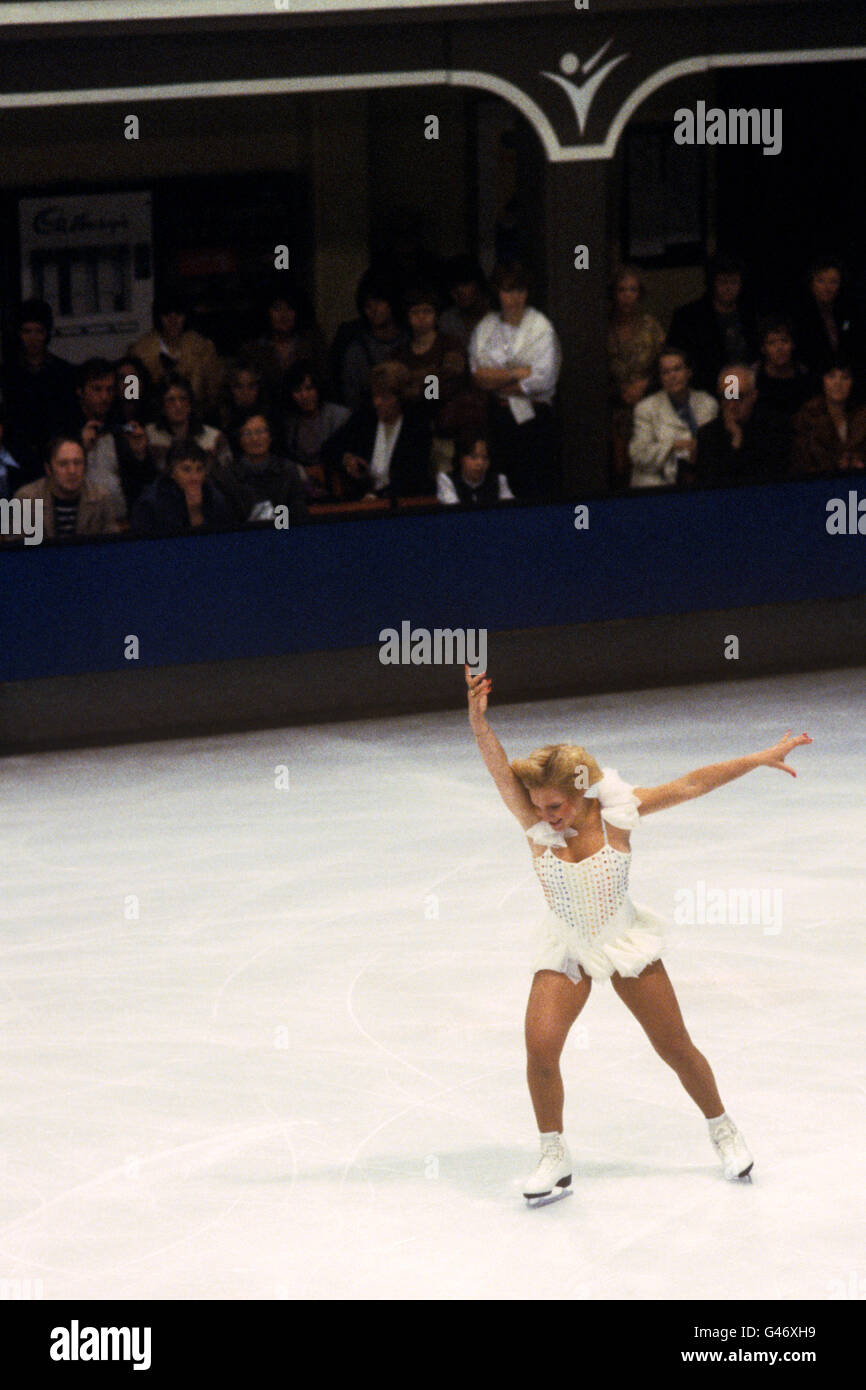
(687, 67)
(515, 96)
(17, 12)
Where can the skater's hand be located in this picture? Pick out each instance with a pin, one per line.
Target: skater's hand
(479, 687)
(775, 756)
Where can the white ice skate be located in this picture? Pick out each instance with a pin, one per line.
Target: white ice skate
(728, 1143)
(552, 1178)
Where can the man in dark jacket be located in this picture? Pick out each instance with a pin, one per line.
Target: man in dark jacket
(717, 328)
(182, 499)
(383, 449)
(38, 389)
(747, 442)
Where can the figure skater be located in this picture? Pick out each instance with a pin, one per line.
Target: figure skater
(578, 818)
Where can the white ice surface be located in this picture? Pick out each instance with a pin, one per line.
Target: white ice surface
(300, 1071)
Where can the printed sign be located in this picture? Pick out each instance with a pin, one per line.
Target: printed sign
(91, 257)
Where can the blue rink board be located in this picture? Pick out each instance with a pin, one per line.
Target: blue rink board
(68, 609)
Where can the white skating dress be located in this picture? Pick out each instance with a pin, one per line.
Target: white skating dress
(591, 921)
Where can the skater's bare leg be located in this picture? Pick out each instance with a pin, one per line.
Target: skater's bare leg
(554, 1003)
(652, 1000)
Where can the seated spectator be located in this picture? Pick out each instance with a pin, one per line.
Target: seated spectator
(782, 381)
(630, 390)
(73, 505)
(38, 388)
(10, 468)
(179, 418)
(829, 436)
(824, 325)
(310, 423)
(747, 442)
(666, 423)
(470, 298)
(634, 336)
(383, 449)
(117, 460)
(133, 396)
(718, 327)
(267, 479)
(289, 333)
(514, 355)
(182, 499)
(173, 348)
(368, 340)
(472, 482)
(244, 391)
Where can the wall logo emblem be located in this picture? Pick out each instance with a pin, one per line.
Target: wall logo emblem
(581, 97)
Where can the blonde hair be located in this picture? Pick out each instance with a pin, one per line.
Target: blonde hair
(556, 765)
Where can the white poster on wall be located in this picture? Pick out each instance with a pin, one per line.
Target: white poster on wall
(91, 257)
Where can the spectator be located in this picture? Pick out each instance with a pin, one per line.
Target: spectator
(717, 328)
(383, 449)
(139, 460)
(134, 399)
(179, 418)
(268, 480)
(38, 388)
(430, 352)
(118, 460)
(473, 483)
(310, 423)
(173, 348)
(471, 299)
(73, 504)
(782, 381)
(10, 468)
(630, 390)
(182, 499)
(244, 392)
(824, 326)
(289, 333)
(368, 340)
(514, 356)
(666, 423)
(634, 336)
(828, 435)
(747, 442)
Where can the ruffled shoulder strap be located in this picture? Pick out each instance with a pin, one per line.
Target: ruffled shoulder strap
(616, 799)
(543, 833)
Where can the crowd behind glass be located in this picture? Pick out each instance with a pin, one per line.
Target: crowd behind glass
(442, 390)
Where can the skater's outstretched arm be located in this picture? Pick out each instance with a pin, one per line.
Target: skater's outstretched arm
(706, 779)
(511, 789)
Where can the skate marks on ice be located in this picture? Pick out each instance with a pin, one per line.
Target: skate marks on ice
(382, 1151)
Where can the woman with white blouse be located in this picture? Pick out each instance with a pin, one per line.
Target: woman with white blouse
(515, 356)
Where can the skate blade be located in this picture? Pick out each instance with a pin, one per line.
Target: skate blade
(548, 1198)
(745, 1176)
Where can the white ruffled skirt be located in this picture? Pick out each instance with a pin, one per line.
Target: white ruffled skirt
(629, 941)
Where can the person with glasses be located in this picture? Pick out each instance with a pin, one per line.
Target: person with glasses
(267, 479)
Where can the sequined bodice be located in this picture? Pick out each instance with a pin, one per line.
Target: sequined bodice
(588, 893)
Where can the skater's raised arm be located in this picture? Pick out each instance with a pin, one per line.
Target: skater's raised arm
(510, 788)
(706, 779)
